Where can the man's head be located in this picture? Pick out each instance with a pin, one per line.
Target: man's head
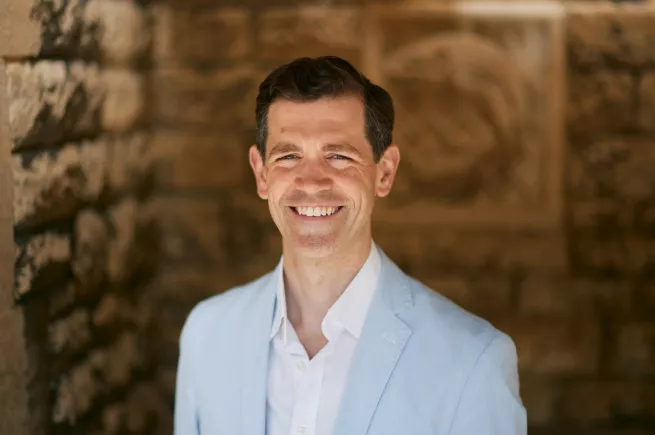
(323, 147)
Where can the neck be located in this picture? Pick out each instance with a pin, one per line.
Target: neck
(313, 285)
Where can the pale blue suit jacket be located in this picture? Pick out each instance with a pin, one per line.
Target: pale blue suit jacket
(422, 366)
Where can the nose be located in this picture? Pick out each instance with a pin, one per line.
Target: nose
(312, 178)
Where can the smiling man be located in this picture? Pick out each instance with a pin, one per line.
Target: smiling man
(337, 339)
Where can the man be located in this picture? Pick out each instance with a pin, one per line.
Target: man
(337, 340)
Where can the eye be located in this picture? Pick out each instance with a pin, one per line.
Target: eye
(339, 157)
(286, 157)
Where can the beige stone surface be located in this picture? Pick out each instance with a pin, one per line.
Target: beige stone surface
(71, 333)
(647, 102)
(194, 35)
(45, 94)
(121, 28)
(192, 98)
(204, 160)
(612, 35)
(19, 32)
(634, 349)
(125, 101)
(129, 162)
(41, 260)
(123, 224)
(89, 262)
(553, 345)
(286, 34)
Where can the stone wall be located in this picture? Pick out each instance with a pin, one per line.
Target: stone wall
(526, 191)
(84, 231)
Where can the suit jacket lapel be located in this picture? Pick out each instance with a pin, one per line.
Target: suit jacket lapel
(382, 341)
(254, 359)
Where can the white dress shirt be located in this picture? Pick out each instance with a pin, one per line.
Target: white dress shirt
(303, 395)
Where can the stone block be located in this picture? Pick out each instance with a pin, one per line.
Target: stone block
(601, 403)
(130, 163)
(121, 360)
(123, 225)
(633, 351)
(479, 123)
(540, 396)
(611, 182)
(124, 104)
(70, 334)
(121, 27)
(41, 261)
(50, 101)
(192, 232)
(89, 260)
(600, 103)
(208, 160)
(479, 294)
(467, 251)
(541, 295)
(193, 35)
(611, 35)
(145, 406)
(114, 31)
(75, 393)
(51, 186)
(48, 187)
(215, 98)
(647, 103)
(286, 34)
(113, 311)
(615, 252)
(554, 346)
(113, 419)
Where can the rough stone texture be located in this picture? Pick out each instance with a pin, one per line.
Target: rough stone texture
(51, 100)
(647, 102)
(40, 261)
(189, 36)
(105, 370)
(190, 161)
(70, 334)
(185, 97)
(129, 163)
(114, 31)
(606, 35)
(113, 311)
(555, 346)
(124, 104)
(90, 251)
(310, 30)
(600, 102)
(123, 224)
(634, 350)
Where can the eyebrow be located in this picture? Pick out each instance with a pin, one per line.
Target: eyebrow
(283, 148)
(343, 147)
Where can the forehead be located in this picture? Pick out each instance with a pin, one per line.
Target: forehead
(343, 115)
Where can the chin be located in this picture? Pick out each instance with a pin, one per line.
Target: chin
(314, 246)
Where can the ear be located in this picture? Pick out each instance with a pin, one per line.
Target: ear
(386, 173)
(259, 169)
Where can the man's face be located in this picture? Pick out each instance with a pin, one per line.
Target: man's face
(319, 175)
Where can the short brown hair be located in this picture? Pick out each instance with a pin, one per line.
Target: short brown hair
(309, 79)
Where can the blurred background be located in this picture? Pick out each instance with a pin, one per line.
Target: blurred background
(526, 191)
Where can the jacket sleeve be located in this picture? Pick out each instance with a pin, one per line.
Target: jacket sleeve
(186, 415)
(490, 403)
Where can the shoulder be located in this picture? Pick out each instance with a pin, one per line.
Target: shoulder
(224, 308)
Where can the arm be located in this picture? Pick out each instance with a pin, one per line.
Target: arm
(490, 403)
(186, 419)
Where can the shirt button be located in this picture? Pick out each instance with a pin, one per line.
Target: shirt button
(300, 366)
(302, 429)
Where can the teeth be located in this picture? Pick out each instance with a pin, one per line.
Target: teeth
(316, 211)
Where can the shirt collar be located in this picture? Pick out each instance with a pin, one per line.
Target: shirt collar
(348, 312)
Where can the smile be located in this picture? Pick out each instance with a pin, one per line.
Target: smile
(316, 211)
